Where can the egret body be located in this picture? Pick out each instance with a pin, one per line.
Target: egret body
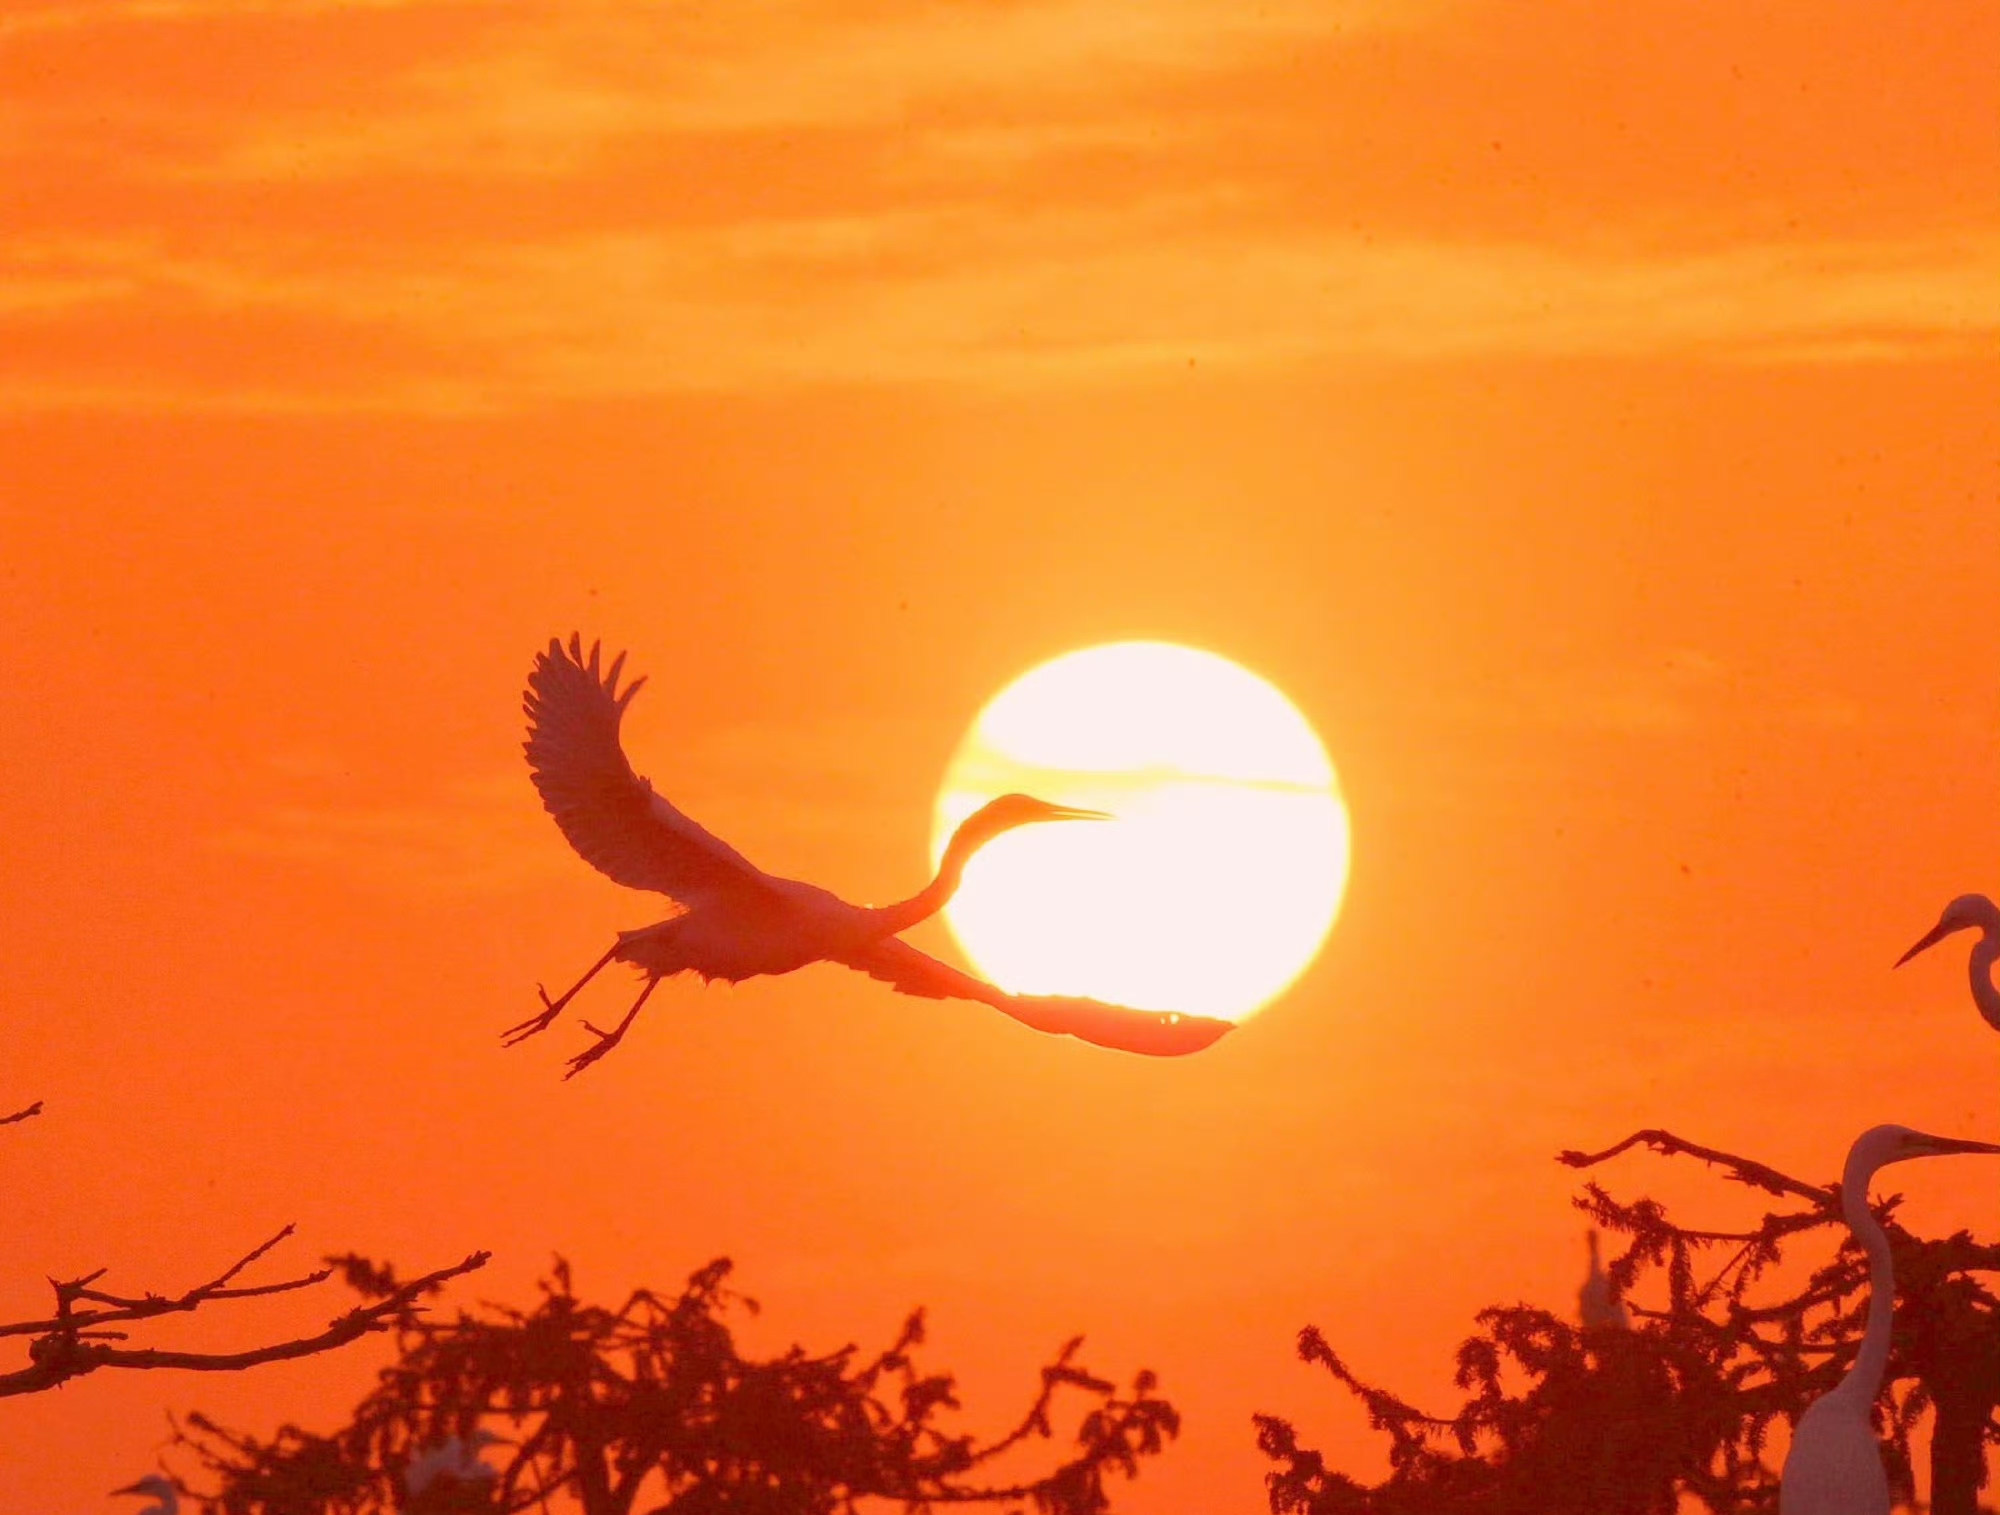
(1597, 1307)
(1834, 1466)
(736, 921)
(456, 1457)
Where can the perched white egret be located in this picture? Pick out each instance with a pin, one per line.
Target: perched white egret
(736, 920)
(1597, 1307)
(455, 1457)
(160, 1489)
(1835, 1463)
(1965, 913)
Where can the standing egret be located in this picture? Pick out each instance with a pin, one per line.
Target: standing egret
(1963, 914)
(1834, 1466)
(456, 1457)
(736, 920)
(168, 1496)
(1597, 1307)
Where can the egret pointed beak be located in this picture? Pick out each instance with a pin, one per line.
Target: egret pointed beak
(1935, 935)
(1070, 813)
(134, 1488)
(1939, 1145)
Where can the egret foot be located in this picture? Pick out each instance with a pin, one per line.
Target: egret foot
(534, 1025)
(606, 1040)
(551, 1008)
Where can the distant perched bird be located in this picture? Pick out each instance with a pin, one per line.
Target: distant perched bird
(1969, 912)
(169, 1498)
(738, 921)
(456, 1457)
(1835, 1463)
(1597, 1307)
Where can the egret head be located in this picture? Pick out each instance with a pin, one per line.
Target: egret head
(1966, 913)
(158, 1487)
(1008, 812)
(1880, 1145)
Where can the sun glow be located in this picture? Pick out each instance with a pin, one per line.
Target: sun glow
(1223, 871)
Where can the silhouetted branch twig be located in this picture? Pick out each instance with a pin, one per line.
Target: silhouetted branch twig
(75, 1341)
(120, 1309)
(1743, 1169)
(21, 1115)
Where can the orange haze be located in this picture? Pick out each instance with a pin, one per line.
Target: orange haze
(1587, 414)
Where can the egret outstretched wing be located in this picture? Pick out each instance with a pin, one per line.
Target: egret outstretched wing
(1154, 1033)
(611, 816)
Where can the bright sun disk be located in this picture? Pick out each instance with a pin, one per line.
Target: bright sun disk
(1220, 876)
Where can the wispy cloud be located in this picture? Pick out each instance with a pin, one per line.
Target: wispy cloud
(454, 208)
(479, 839)
(31, 16)
(778, 789)
(968, 299)
(564, 85)
(1681, 692)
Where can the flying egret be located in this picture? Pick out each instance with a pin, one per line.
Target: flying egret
(1963, 914)
(1834, 1466)
(168, 1496)
(738, 921)
(1597, 1307)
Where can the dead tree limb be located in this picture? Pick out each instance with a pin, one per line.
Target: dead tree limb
(1743, 1170)
(76, 1341)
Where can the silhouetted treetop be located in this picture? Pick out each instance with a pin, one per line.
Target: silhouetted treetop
(650, 1405)
(1562, 1420)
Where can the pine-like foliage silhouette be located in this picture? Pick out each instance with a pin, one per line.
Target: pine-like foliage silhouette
(1559, 1420)
(649, 1406)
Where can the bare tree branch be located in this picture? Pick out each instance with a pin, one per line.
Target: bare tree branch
(21, 1115)
(122, 1309)
(1742, 1169)
(75, 1342)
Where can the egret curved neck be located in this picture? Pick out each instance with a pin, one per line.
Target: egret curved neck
(1985, 952)
(927, 901)
(1864, 1379)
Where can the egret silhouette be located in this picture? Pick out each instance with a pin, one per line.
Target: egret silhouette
(168, 1496)
(1967, 912)
(456, 1458)
(1834, 1466)
(1597, 1307)
(737, 921)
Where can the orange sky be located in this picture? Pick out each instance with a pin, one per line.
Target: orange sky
(1587, 414)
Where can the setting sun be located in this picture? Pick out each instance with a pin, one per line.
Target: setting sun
(1551, 449)
(1223, 869)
